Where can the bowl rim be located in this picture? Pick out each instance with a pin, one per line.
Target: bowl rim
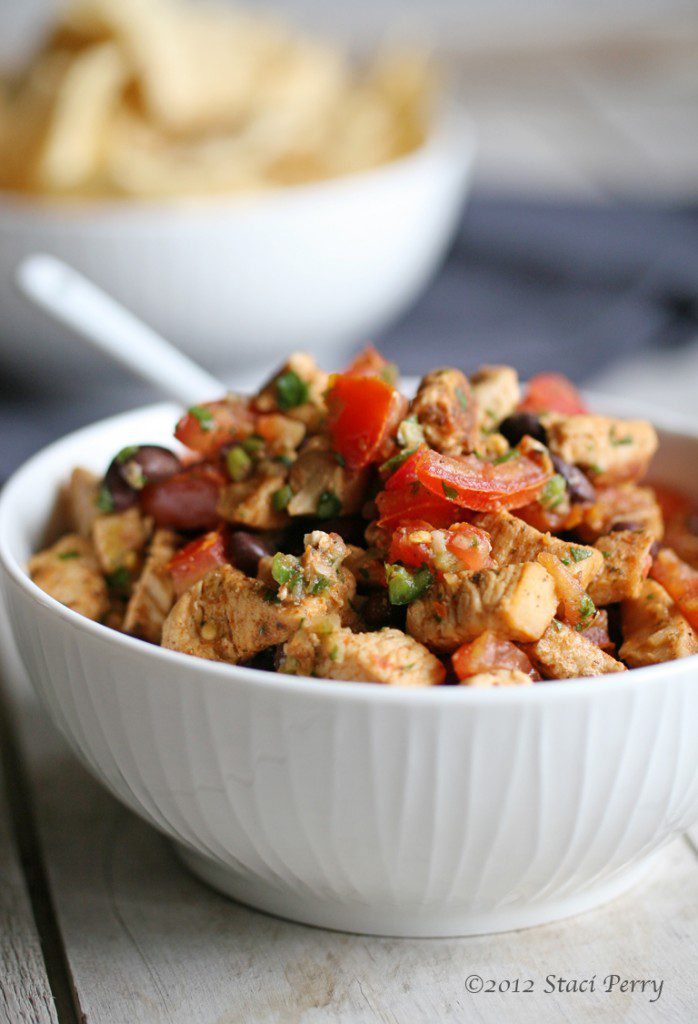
(561, 689)
(451, 132)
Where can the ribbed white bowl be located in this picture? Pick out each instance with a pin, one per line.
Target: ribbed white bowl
(234, 281)
(352, 806)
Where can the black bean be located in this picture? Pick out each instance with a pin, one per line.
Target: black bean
(579, 487)
(246, 549)
(520, 424)
(134, 467)
(378, 612)
(625, 524)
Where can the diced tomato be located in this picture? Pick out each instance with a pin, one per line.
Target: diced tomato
(187, 500)
(407, 472)
(474, 483)
(370, 363)
(414, 502)
(206, 428)
(680, 581)
(470, 545)
(568, 589)
(487, 653)
(407, 547)
(363, 411)
(551, 392)
(192, 563)
(455, 548)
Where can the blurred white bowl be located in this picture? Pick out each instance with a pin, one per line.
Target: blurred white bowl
(233, 281)
(382, 809)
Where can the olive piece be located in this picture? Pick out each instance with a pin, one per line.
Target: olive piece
(579, 487)
(246, 549)
(519, 424)
(133, 468)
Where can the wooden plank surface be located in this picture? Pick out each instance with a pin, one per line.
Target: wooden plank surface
(148, 944)
(25, 995)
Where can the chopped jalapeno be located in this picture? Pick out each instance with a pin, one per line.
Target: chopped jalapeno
(285, 569)
(291, 390)
(390, 465)
(506, 457)
(580, 554)
(126, 453)
(203, 416)
(450, 492)
(238, 462)
(281, 498)
(404, 586)
(553, 492)
(328, 505)
(105, 502)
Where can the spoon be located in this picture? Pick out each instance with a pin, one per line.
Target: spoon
(73, 300)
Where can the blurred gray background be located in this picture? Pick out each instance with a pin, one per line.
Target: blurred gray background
(579, 249)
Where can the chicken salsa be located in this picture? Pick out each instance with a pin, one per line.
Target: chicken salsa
(481, 533)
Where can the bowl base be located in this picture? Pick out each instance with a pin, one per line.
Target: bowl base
(443, 921)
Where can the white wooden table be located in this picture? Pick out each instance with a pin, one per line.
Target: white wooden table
(100, 924)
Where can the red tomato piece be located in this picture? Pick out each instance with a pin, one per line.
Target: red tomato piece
(407, 472)
(192, 562)
(370, 363)
(485, 486)
(680, 581)
(455, 548)
(362, 413)
(414, 502)
(187, 500)
(470, 545)
(406, 548)
(487, 653)
(551, 392)
(207, 427)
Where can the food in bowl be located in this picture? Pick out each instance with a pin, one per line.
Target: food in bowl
(157, 98)
(328, 526)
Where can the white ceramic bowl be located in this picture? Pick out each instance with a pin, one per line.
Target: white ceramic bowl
(231, 281)
(354, 806)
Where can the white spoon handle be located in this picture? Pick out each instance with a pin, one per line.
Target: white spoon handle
(73, 300)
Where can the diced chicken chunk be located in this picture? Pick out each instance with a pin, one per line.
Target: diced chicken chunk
(388, 656)
(498, 677)
(251, 502)
(654, 629)
(609, 450)
(515, 541)
(81, 501)
(563, 653)
(228, 616)
(153, 593)
(119, 539)
(317, 480)
(70, 572)
(626, 561)
(517, 601)
(627, 506)
(497, 393)
(446, 411)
